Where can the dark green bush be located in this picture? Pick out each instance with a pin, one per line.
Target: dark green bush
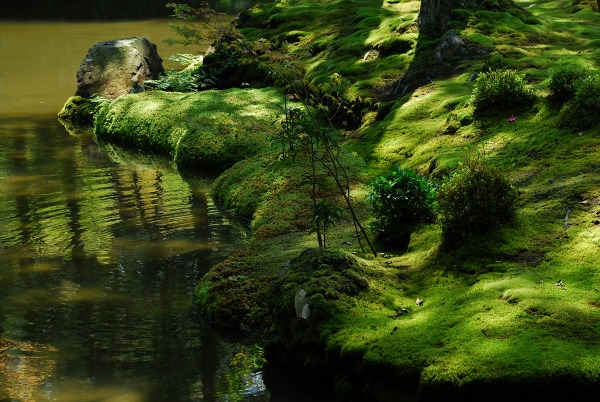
(587, 94)
(475, 199)
(500, 89)
(401, 201)
(565, 80)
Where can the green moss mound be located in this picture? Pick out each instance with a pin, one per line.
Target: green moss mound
(234, 295)
(312, 289)
(271, 195)
(263, 193)
(323, 275)
(208, 130)
(78, 113)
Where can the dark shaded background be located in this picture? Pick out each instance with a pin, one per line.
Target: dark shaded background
(86, 10)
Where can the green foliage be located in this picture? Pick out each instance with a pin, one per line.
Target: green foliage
(187, 60)
(326, 214)
(329, 100)
(291, 131)
(322, 104)
(220, 67)
(187, 80)
(580, 88)
(564, 81)
(174, 81)
(587, 94)
(500, 89)
(476, 198)
(465, 334)
(200, 25)
(401, 201)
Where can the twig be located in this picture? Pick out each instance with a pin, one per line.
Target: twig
(566, 225)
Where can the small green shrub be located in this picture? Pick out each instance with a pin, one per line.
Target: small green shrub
(220, 68)
(401, 201)
(587, 94)
(175, 81)
(500, 89)
(475, 199)
(291, 132)
(565, 80)
(326, 214)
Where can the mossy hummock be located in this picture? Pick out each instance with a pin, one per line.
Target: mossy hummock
(209, 130)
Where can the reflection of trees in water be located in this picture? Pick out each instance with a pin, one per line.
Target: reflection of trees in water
(24, 373)
(98, 265)
(108, 9)
(239, 377)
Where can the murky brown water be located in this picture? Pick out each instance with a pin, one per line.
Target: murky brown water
(99, 253)
(39, 61)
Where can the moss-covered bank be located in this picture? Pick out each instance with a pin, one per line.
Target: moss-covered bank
(498, 317)
(205, 130)
(512, 314)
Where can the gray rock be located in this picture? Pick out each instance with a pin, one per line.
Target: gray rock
(301, 304)
(306, 312)
(111, 69)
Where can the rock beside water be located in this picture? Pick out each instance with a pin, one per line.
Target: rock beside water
(112, 68)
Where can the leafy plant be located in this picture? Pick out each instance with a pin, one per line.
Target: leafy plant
(326, 214)
(565, 80)
(500, 89)
(291, 130)
(200, 26)
(587, 94)
(401, 201)
(220, 68)
(320, 111)
(175, 81)
(476, 198)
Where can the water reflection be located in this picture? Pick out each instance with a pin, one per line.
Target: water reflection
(98, 263)
(98, 254)
(39, 61)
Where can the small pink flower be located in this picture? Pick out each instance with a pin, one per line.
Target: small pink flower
(511, 119)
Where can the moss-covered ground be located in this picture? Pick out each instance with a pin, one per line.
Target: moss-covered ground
(211, 130)
(512, 314)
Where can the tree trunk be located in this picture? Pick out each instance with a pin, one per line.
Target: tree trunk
(434, 14)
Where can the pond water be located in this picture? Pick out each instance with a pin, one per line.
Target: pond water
(100, 251)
